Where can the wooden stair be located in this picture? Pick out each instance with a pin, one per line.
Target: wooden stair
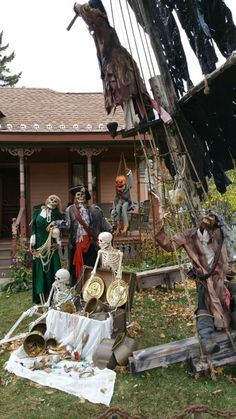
(5, 261)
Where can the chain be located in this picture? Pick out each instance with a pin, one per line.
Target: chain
(186, 413)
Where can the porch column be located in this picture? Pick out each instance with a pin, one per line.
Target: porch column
(21, 217)
(22, 192)
(89, 153)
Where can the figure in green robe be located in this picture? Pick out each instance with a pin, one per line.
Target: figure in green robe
(44, 245)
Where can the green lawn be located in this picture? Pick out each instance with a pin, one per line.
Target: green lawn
(159, 316)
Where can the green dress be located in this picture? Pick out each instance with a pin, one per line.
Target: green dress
(43, 276)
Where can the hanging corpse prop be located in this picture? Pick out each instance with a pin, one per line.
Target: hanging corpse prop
(111, 258)
(122, 83)
(122, 202)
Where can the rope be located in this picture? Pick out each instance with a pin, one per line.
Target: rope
(112, 13)
(118, 413)
(190, 410)
(45, 252)
(122, 160)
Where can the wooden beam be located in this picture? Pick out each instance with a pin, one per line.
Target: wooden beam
(178, 351)
(167, 275)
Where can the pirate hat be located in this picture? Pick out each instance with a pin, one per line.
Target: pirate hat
(78, 188)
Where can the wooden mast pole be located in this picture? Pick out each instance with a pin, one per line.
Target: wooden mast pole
(164, 92)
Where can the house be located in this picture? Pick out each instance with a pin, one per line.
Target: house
(50, 142)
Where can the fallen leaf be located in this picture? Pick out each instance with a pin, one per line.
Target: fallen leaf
(217, 391)
(103, 390)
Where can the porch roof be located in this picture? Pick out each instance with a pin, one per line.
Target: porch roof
(33, 110)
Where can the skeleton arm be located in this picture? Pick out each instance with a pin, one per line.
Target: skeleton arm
(96, 263)
(119, 270)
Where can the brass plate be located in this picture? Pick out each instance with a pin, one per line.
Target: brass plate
(117, 293)
(93, 288)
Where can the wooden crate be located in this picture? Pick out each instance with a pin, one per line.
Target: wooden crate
(154, 277)
(107, 276)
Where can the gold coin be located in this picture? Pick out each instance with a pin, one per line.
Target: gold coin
(117, 293)
(93, 288)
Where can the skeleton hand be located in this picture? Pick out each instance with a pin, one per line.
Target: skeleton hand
(50, 226)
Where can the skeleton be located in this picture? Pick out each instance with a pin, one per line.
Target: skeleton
(59, 294)
(110, 257)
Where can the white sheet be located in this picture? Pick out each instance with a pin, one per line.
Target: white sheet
(68, 329)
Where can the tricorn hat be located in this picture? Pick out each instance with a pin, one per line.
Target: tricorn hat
(78, 188)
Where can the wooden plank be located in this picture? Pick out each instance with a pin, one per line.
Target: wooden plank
(177, 351)
(167, 275)
(196, 365)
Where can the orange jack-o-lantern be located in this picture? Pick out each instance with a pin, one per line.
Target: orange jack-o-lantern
(120, 183)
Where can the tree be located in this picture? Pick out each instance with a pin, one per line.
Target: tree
(5, 78)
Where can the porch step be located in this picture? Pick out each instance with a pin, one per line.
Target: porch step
(5, 260)
(5, 251)
(4, 281)
(5, 244)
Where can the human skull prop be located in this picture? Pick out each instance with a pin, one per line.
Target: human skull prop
(53, 201)
(80, 196)
(120, 183)
(62, 275)
(104, 240)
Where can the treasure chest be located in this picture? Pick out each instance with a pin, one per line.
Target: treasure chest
(103, 286)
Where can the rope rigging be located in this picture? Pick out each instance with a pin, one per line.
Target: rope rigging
(180, 160)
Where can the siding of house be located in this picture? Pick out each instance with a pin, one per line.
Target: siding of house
(48, 179)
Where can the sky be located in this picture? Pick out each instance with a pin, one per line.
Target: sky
(51, 57)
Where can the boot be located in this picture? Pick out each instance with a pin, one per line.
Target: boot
(125, 229)
(117, 231)
(233, 320)
(233, 313)
(205, 328)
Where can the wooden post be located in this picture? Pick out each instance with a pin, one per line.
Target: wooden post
(22, 192)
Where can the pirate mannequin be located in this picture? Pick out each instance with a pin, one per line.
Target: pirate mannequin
(206, 246)
(84, 222)
(122, 202)
(44, 244)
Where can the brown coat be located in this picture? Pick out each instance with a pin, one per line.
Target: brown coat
(119, 72)
(216, 292)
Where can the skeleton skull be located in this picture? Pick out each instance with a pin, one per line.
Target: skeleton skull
(120, 183)
(62, 275)
(104, 240)
(53, 201)
(80, 196)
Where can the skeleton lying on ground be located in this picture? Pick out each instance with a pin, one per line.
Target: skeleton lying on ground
(59, 294)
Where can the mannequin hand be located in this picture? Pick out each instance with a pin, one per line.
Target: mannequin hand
(77, 8)
(127, 170)
(167, 216)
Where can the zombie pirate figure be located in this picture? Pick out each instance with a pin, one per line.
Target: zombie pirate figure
(44, 245)
(122, 202)
(84, 222)
(122, 83)
(209, 246)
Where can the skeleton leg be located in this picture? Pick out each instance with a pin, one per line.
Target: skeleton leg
(27, 313)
